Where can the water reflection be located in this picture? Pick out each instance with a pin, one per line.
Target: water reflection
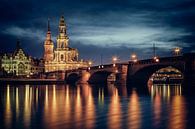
(114, 112)
(8, 112)
(134, 111)
(89, 107)
(165, 90)
(169, 97)
(177, 113)
(157, 110)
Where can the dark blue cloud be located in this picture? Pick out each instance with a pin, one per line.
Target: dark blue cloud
(101, 27)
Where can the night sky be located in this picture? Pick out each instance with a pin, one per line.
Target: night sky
(95, 27)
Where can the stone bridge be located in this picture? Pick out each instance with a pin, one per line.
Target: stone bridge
(99, 74)
(130, 72)
(140, 72)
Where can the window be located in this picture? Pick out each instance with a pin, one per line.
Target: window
(62, 57)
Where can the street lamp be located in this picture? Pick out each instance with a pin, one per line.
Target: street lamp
(90, 63)
(156, 59)
(114, 59)
(134, 57)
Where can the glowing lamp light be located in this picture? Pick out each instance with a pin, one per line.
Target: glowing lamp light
(114, 59)
(135, 60)
(177, 50)
(133, 56)
(90, 63)
(157, 60)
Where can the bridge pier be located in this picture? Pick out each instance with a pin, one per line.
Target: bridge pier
(84, 77)
(121, 78)
(189, 73)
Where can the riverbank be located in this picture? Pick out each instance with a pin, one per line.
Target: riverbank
(30, 81)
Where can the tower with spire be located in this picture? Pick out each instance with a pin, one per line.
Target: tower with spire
(48, 45)
(62, 38)
(63, 57)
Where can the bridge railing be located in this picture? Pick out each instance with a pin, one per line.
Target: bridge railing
(161, 59)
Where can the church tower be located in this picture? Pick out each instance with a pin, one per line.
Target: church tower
(62, 39)
(48, 46)
(62, 57)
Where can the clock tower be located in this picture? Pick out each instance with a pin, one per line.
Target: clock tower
(48, 46)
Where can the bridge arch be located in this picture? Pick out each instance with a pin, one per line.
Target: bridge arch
(72, 78)
(99, 77)
(142, 76)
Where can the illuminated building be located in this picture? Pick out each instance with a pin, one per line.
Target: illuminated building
(63, 57)
(37, 66)
(19, 63)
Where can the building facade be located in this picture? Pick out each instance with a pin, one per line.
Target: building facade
(19, 63)
(62, 57)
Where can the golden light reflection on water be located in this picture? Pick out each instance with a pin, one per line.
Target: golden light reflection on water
(101, 96)
(89, 108)
(177, 114)
(67, 105)
(71, 107)
(134, 111)
(157, 110)
(17, 103)
(8, 112)
(27, 105)
(172, 95)
(166, 91)
(64, 106)
(114, 111)
(78, 108)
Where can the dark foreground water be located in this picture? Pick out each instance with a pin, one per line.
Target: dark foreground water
(95, 107)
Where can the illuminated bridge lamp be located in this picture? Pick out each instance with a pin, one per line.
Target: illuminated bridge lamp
(114, 59)
(90, 63)
(157, 60)
(134, 58)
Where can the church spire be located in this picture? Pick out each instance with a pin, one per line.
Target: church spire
(48, 37)
(62, 21)
(62, 26)
(18, 46)
(48, 45)
(62, 39)
(48, 25)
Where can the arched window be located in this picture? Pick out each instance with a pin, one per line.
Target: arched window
(62, 57)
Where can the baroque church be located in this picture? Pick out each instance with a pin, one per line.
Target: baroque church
(63, 57)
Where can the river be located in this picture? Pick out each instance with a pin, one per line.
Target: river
(95, 107)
